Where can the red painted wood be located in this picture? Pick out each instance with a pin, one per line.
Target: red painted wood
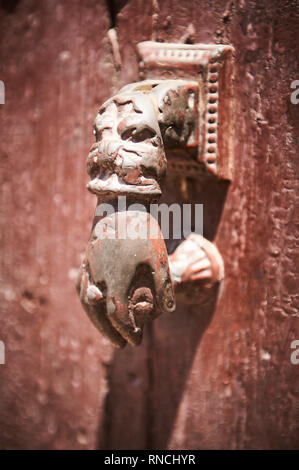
(231, 384)
(56, 65)
(212, 377)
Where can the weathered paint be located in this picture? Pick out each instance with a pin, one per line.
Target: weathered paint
(216, 378)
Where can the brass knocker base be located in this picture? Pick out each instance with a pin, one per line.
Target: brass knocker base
(127, 278)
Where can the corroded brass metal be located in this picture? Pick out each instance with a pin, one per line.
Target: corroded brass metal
(126, 281)
(212, 66)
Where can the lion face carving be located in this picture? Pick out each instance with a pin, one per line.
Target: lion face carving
(128, 155)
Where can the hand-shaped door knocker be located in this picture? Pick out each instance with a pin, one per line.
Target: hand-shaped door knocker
(125, 280)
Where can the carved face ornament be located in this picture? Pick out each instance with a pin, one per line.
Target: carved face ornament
(128, 156)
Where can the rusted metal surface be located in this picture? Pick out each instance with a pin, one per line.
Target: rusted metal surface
(128, 159)
(196, 259)
(131, 130)
(120, 273)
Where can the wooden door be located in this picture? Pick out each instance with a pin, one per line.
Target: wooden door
(205, 378)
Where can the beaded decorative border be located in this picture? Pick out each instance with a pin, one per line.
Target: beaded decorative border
(159, 60)
(211, 117)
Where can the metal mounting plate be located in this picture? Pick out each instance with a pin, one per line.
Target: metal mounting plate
(211, 65)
